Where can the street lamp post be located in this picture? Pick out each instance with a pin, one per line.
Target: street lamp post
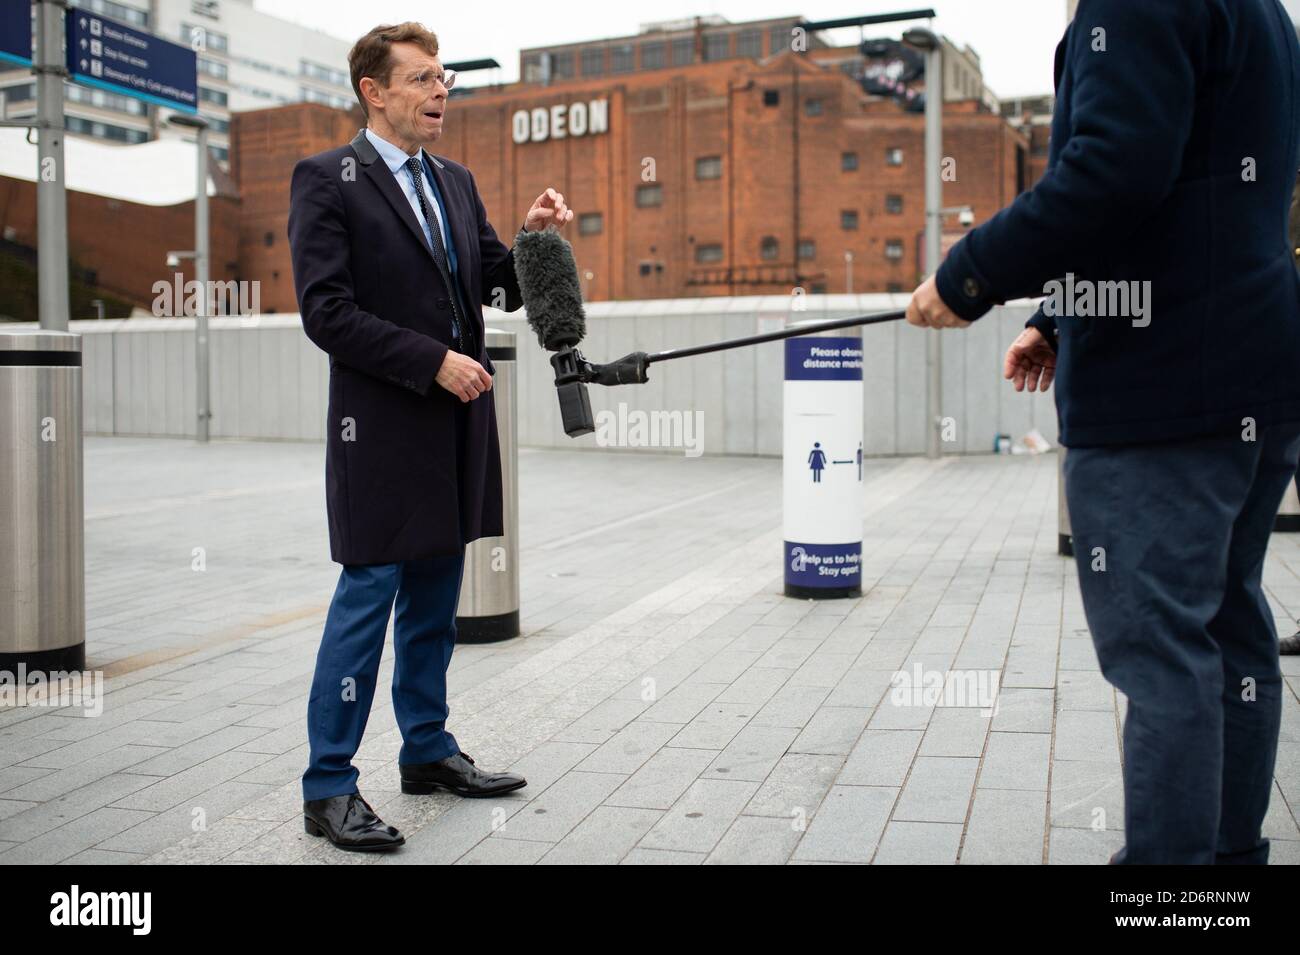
(51, 183)
(848, 271)
(929, 43)
(202, 360)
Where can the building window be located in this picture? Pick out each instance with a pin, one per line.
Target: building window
(26, 91)
(778, 39)
(708, 167)
(622, 59)
(817, 288)
(654, 56)
(771, 97)
(848, 219)
(649, 195)
(102, 99)
(708, 254)
(309, 95)
(216, 125)
(683, 51)
(893, 156)
(326, 74)
(813, 107)
(215, 97)
(593, 61)
(769, 248)
(849, 162)
(214, 69)
(717, 46)
(894, 249)
(562, 65)
(894, 205)
(749, 43)
(75, 124)
(591, 223)
(115, 11)
(894, 288)
(807, 249)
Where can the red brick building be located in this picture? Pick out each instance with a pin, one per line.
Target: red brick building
(123, 223)
(264, 146)
(727, 164)
(728, 178)
(744, 175)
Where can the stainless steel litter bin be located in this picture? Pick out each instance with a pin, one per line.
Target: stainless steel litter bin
(42, 543)
(489, 593)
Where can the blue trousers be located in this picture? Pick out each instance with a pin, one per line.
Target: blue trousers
(1170, 540)
(347, 666)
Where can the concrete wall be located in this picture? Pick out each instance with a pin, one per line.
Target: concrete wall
(269, 381)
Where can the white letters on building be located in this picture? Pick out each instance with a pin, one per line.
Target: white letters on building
(559, 121)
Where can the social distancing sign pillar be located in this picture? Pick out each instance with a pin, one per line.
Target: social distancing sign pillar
(822, 453)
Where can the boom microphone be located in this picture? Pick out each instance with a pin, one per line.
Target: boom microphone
(548, 281)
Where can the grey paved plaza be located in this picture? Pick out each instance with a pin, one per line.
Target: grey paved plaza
(666, 702)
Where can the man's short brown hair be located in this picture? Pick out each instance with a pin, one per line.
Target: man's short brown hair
(372, 55)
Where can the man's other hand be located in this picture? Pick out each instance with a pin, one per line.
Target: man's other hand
(463, 376)
(1030, 362)
(548, 209)
(928, 309)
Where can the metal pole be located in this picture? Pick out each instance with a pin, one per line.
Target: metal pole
(201, 358)
(848, 272)
(51, 186)
(933, 232)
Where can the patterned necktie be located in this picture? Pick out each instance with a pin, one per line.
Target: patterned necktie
(439, 251)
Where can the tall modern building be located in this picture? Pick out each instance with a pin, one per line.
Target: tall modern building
(246, 58)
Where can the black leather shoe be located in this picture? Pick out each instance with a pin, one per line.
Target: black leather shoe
(1289, 646)
(349, 823)
(459, 775)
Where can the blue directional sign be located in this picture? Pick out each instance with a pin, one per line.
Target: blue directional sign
(114, 56)
(16, 32)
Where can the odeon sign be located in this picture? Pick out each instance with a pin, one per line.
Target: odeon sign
(556, 122)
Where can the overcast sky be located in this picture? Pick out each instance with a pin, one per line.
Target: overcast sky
(1014, 38)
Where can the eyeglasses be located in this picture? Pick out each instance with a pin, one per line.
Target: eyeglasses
(428, 78)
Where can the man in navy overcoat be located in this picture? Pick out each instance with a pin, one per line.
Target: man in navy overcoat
(393, 258)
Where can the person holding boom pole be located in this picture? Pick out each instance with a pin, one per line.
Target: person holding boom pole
(1174, 150)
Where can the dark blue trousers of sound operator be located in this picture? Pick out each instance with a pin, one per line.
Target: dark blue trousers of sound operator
(1181, 626)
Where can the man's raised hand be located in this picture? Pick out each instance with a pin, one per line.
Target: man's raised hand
(548, 209)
